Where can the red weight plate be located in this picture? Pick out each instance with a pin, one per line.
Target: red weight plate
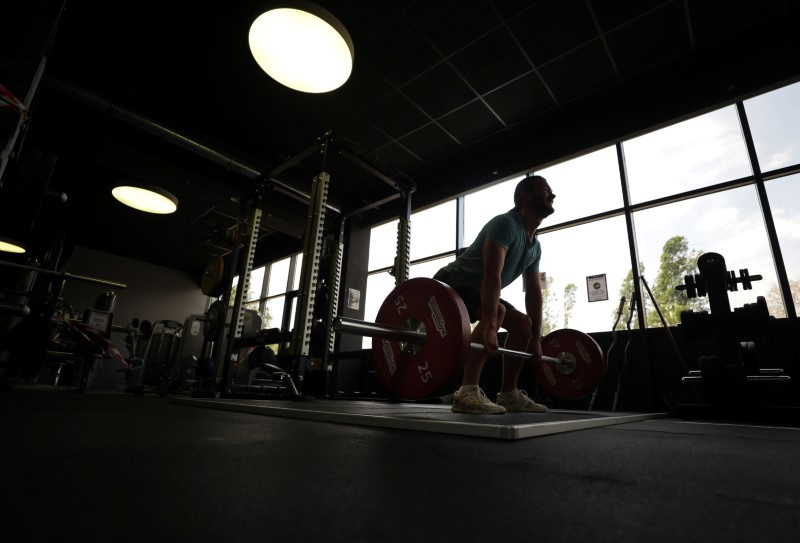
(430, 305)
(584, 368)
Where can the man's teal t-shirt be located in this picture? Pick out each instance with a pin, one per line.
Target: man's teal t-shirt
(508, 231)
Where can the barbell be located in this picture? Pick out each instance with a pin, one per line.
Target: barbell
(421, 338)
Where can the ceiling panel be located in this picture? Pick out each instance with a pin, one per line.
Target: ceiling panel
(430, 142)
(471, 122)
(465, 21)
(396, 115)
(657, 36)
(521, 99)
(425, 90)
(580, 71)
(399, 52)
(613, 13)
(491, 62)
(553, 27)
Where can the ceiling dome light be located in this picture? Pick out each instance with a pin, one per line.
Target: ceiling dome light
(307, 49)
(149, 199)
(9, 245)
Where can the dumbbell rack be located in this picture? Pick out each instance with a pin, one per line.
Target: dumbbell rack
(732, 370)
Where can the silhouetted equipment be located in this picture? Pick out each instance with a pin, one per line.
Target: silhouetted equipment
(731, 373)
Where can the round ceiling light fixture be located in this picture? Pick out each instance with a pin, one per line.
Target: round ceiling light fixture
(148, 199)
(304, 48)
(8, 245)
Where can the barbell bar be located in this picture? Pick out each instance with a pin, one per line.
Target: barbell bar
(345, 325)
(422, 334)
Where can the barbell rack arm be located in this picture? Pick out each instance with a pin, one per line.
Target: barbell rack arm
(65, 275)
(345, 325)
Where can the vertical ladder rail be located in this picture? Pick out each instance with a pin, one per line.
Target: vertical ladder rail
(312, 251)
(242, 289)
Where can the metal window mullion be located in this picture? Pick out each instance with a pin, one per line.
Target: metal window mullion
(292, 270)
(460, 223)
(631, 230)
(766, 212)
(262, 301)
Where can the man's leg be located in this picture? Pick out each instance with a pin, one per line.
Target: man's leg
(518, 326)
(469, 398)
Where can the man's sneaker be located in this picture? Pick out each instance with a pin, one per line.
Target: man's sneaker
(518, 400)
(474, 401)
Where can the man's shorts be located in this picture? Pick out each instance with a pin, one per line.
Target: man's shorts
(470, 292)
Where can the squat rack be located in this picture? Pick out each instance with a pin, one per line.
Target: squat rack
(313, 239)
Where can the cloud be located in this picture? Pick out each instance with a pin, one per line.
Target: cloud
(718, 219)
(787, 224)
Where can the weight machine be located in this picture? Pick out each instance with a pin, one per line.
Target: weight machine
(32, 309)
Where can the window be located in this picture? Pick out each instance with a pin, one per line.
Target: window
(569, 256)
(278, 277)
(430, 267)
(693, 154)
(276, 292)
(584, 186)
(298, 269)
(775, 124)
(382, 246)
(728, 223)
(481, 206)
(273, 313)
(784, 198)
(667, 163)
(253, 298)
(433, 231)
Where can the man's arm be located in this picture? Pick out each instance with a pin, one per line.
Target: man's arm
(494, 257)
(533, 306)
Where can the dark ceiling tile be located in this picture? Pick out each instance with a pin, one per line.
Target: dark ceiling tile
(715, 18)
(491, 62)
(579, 72)
(359, 17)
(553, 27)
(612, 13)
(452, 24)
(428, 91)
(395, 157)
(364, 88)
(429, 142)
(649, 40)
(358, 133)
(524, 98)
(399, 52)
(509, 8)
(396, 115)
(470, 123)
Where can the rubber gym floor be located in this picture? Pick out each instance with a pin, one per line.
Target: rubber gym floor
(100, 466)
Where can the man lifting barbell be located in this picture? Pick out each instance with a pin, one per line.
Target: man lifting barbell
(505, 249)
